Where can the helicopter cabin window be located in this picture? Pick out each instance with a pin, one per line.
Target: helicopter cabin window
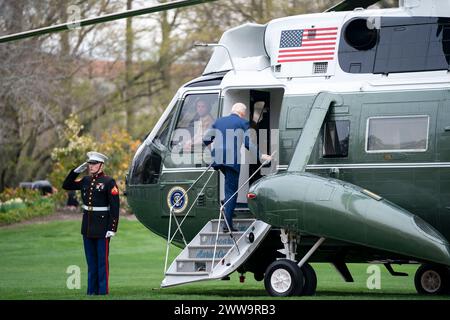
(399, 133)
(336, 138)
(198, 113)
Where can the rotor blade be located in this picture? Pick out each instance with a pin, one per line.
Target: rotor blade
(109, 17)
(349, 5)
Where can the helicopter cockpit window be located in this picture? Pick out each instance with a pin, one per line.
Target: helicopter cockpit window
(401, 134)
(147, 165)
(163, 132)
(198, 113)
(336, 138)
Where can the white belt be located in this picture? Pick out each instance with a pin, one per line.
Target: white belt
(95, 208)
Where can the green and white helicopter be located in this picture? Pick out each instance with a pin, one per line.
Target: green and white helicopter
(354, 106)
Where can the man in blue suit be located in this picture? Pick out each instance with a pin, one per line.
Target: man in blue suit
(229, 133)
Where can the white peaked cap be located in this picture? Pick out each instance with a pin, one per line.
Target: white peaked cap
(96, 156)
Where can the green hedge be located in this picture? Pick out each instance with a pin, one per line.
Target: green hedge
(38, 208)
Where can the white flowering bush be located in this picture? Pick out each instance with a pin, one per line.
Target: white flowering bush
(12, 204)
(18, 204)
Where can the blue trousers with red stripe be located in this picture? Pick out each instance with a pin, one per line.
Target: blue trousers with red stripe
(97, 252)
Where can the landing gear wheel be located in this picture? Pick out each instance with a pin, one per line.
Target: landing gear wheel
(283, 278)
(432, 279)
(259, 276)
(310, 282)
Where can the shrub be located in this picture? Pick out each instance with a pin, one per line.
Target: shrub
(116, 144)
(25, 195)
(27, 210)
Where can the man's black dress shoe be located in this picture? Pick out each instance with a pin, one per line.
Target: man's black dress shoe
(225, 230)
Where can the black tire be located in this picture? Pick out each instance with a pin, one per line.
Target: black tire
(283, 278)
(259, 276)
(310, 280)
(432, 279)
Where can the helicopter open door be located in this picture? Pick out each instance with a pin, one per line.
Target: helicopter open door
(263, 111)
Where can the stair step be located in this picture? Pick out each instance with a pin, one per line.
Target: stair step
(196, 264)
(200, 273)
(212, 233)
(207, 251)
(210, 246)
(194, 259)
(240, 224)
(209, 238)
(236, 220)
(241, 211)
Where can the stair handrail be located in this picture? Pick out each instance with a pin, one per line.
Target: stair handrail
(222, 209)
(172, 212)
(190, 208)
(172, 208)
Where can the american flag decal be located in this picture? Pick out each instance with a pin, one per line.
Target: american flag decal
(316, 44)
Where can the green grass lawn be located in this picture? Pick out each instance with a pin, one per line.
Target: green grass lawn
(34, 259)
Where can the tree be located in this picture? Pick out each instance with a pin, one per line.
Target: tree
(47, 78)
(37, 81)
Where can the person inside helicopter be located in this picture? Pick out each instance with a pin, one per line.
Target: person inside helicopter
(202, 121)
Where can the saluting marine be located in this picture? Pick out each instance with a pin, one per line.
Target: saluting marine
(100, 217)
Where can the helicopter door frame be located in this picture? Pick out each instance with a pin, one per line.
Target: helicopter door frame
(233, 94)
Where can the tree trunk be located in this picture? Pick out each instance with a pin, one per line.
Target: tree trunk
(129, 39)
(164, 50)
(9, 121)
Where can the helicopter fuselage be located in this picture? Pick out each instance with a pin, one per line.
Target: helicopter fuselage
(389, 133)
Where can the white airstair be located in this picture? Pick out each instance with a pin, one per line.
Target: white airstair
(213, 254)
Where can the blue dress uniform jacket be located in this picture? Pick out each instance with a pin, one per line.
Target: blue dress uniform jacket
(223, 147)
(96, 191)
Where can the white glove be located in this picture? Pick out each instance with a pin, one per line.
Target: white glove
(81, 168)
(110, 234)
